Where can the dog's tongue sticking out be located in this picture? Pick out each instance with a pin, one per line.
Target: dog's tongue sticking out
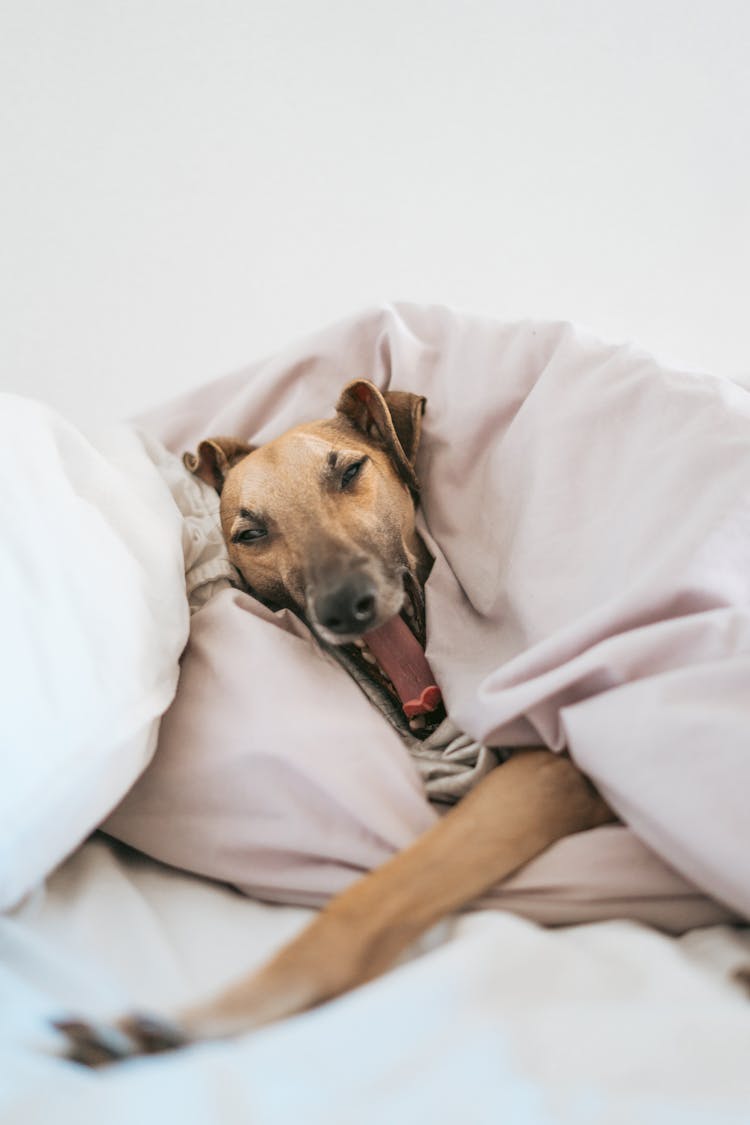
(402, 658)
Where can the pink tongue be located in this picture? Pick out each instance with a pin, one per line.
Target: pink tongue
(402, 658)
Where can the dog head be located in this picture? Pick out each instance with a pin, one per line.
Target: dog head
(321, 520)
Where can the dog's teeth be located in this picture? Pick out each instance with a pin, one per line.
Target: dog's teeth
(368, 656)
(409, 609)
(417, 723)
(359, 642)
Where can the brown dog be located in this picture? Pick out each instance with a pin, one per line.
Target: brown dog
(322, 521)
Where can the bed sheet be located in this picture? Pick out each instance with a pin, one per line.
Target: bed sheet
(490, 1017)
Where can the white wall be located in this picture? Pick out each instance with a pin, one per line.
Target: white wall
(186, 184)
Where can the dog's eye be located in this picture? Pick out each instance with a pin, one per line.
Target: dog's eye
(249, 535)
(351, 473)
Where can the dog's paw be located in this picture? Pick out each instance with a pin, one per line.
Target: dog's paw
(94, 1044)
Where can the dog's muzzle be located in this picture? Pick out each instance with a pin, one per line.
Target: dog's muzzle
(348, 608)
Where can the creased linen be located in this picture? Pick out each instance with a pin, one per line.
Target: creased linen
(589, 515)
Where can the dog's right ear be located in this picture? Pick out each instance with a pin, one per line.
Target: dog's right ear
(215, 457)
(393, 418)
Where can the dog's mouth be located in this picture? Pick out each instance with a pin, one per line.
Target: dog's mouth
(397, 654)
(393, 655)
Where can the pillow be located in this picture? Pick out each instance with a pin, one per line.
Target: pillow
(94, 621)
(588, 512)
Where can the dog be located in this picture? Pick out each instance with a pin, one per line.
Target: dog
(322, 521)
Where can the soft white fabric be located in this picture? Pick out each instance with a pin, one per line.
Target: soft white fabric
(497, 1020)
(206, 558)
(501, 1022)
(589, 515)
(94, 621)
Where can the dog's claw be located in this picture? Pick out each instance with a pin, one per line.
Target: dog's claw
(95, 1044)
(153, 1033)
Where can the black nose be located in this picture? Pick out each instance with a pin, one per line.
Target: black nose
(348, 607)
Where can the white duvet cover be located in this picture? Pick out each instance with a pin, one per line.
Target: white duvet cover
(490, 1019)
(588, 511)
(94, 619)
(497, 1021)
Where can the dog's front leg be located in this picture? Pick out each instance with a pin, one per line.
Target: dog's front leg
(515, 812)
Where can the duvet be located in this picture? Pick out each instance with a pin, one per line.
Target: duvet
(588, 511)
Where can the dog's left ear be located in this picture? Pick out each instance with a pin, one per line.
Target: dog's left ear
(214, 459)
(393, 418)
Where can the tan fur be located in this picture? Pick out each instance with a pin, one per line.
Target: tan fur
(370, 526)
(515, 813)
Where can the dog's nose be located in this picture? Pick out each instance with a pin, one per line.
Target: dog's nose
(349, 607)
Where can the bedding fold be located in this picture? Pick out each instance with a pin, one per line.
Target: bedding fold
(589, 515)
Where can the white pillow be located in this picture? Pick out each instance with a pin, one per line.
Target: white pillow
(94, 621)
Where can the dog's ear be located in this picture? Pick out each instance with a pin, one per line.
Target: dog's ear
(214, 459)
(393, 418)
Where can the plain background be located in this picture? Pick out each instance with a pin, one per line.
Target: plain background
(188, 184)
